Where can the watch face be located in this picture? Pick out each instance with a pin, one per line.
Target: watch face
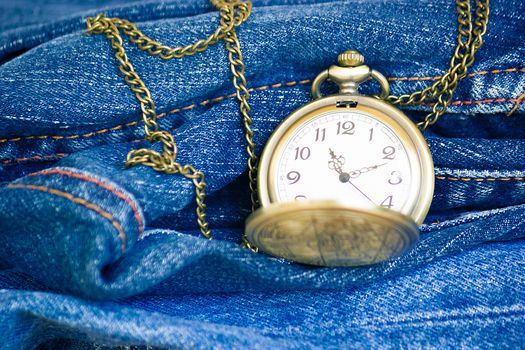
(345, 155)
(369, 154)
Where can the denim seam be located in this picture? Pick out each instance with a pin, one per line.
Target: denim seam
(479, 179)
(515, 101)
(33, 158)
(476, 102)
(81, 201)
(103, 185)
(516, 105)
(469, 218)
(473, 74)
(438, 177)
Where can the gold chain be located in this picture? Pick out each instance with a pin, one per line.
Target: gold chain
(469, 40)
(232, 14)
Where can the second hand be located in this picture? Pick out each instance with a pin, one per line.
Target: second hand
(357, 188)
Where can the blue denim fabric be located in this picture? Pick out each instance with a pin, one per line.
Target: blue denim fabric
(92, 253)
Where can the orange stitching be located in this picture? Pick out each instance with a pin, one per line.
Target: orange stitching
(80, 201)
(495, 71)
(265, 87)
(56, 155)
(518, 101)
(477, 102)
(10, 161)
(101, 184)
(480, 179)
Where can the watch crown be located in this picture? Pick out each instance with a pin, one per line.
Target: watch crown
(350, 58)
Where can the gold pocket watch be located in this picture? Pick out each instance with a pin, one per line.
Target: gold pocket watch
(345, 179)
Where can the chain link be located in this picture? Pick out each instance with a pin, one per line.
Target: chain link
(232, 14)
(469, 40)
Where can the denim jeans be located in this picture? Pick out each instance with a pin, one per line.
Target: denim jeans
(96, 255)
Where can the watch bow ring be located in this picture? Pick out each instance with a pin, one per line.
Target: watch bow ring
(349, 74)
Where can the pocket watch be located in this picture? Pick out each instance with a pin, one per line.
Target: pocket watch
(345, 179)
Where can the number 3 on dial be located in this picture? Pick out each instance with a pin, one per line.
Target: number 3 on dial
(396, 178)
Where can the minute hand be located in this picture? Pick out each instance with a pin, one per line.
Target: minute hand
(356, 173)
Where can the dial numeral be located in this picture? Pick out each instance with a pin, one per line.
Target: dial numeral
(387, 203)
(346, 128)
(396, 179)
(293, 176)
(300, 197)
(303, 153)
(320, 134)
(389, 152)
(371, 134)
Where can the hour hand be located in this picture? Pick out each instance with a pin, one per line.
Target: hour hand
(336, 163)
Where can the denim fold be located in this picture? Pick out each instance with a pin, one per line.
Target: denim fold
(95, 254)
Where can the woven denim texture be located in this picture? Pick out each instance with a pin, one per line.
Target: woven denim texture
(93, 255)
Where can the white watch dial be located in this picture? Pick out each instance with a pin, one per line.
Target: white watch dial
(349, 156)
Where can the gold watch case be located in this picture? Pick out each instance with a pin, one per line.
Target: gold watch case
(330, 232)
